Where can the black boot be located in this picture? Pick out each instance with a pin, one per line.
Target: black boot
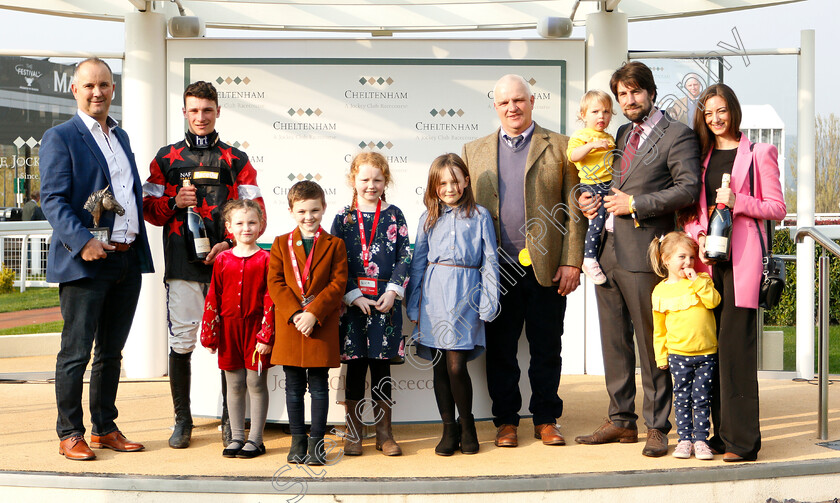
(449, 442)
(297, 453)
(227, 434)
(179, 383)
(316, 455)
(469, 437)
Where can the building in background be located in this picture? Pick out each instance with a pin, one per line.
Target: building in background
(34, 96)
(762, 124)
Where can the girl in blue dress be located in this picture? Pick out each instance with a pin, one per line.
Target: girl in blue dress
(378, 258)
(453, 290)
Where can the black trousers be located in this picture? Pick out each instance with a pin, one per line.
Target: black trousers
(99, 310)
(624, 304)
(735, 391)
(541, 309)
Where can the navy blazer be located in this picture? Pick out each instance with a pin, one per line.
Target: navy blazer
(72, 167)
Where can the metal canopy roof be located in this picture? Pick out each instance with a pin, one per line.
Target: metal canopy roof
(383, 15)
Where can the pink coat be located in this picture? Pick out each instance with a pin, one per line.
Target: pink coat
(767, 204)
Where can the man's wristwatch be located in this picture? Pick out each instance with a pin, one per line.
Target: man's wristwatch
(229, 242)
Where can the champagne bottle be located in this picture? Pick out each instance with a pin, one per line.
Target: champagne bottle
(198, 244)
(718, 244)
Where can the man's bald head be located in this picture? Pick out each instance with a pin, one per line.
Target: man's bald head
(514, 103)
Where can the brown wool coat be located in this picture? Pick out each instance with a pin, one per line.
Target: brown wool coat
(327, 280)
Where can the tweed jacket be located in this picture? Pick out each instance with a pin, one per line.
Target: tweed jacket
(663, 177)
(555, 227)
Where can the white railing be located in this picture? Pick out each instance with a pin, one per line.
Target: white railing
(23, 248)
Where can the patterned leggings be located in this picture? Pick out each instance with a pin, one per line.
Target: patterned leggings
(692, 394)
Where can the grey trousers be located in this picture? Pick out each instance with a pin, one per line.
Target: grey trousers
(624, 303)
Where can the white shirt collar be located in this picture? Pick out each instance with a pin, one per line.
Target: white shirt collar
(91, 123)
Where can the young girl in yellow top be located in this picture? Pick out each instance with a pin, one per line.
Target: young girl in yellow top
(684, 337)
(590, 149)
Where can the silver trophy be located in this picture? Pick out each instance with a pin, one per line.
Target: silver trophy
(98, 202)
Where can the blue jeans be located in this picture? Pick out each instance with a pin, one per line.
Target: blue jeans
(319, 392)
(95, 309)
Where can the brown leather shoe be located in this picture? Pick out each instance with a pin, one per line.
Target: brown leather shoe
(506, 436)
(76, 448)
(610, 432)
(549, 433)
(731, 457)
(116, 441)
(656, 444)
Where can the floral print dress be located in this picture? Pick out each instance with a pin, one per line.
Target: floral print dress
(378, 336)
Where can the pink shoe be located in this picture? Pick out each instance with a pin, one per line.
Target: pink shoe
(593, 271)
(703, 451)
(683, 450)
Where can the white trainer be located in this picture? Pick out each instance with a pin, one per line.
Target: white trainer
(703, 451)
(683, 450)
(593, 271)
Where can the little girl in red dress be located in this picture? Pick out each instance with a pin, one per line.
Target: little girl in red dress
(239, 323)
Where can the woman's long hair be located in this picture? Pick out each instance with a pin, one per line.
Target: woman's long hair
(704, 134)
(434, 205)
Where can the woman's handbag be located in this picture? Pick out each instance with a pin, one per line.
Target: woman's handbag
(772, 278)
(774, 274)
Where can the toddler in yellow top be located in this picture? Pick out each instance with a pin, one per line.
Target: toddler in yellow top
(684, 337)
(590, 149)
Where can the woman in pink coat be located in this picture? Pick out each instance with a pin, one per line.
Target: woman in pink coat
(726, 150)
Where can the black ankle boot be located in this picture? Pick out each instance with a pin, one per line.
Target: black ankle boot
(449, 442)
(179, 384)
(469, 437)
(316, 456)
(297, 453)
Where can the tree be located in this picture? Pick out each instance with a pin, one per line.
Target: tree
(827, 159)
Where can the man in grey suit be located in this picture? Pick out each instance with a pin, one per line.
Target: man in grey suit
(659, 174)
(521, 175)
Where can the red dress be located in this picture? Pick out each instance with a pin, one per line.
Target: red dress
(238, 311)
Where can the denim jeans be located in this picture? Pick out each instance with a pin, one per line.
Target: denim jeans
(319, 392)
(97, 309)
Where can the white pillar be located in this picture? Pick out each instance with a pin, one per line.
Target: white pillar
(144, 118)
(805, 197)
(606, 50)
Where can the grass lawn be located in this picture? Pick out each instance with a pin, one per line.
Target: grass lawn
(32, 298)
(40, 328)
(790, 347)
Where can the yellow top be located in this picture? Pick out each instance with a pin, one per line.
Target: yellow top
(683, 322)
(596, 166)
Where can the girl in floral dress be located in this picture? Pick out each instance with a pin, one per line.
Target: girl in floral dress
(378, 259)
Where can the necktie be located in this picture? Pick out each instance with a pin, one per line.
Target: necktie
(516, 141)
(630, 150)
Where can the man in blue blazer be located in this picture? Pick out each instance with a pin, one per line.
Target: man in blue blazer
(99, 282)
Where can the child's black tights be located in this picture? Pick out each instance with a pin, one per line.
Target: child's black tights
(453, 386)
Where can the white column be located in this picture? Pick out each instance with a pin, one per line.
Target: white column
(805, 197)
(144, 118)
(606, 50)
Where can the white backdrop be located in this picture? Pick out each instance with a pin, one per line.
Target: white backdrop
(301, 109)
